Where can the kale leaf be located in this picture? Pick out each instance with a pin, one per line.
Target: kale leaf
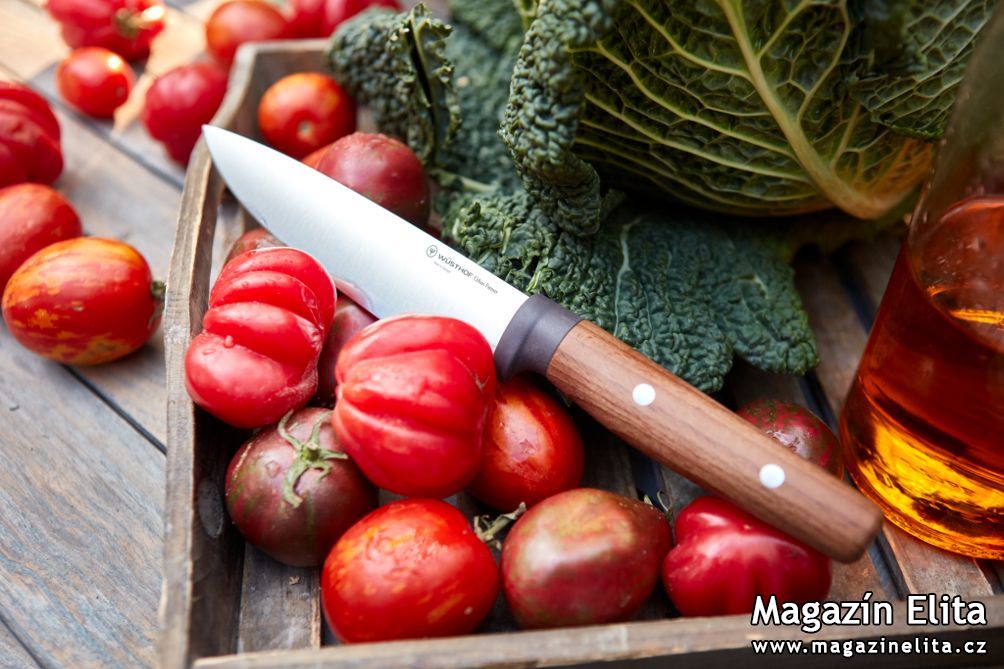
(684, 290)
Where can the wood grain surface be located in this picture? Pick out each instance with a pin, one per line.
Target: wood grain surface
(693, 643)
(80, 548)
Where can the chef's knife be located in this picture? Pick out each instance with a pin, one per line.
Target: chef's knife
(391, 267)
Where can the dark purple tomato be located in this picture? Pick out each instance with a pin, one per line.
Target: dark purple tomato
(798, 429)
(292, 492)
(259, 238)
(349, 319)
(384, 170)
(583, 557)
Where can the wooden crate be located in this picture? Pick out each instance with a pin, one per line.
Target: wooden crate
(226, 605)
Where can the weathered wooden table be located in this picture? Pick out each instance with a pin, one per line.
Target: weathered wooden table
(82, 450)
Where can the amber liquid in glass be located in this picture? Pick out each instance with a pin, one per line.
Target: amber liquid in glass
(923, 425)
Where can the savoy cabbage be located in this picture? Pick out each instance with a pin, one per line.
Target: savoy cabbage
(752, 107)
(503, 108)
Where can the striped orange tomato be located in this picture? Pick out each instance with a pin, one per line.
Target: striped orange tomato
(83, 301)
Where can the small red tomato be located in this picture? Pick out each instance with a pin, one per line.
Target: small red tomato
(531, 450)
(583, 557)
(256, 357)
(32, 216)
(384, 170)
(292, 491)
(94, 80)
(411, 569)
(239, 21)
(259, 238)
(304, 111)
(338, 11)
(124, 26)
(349, 319)
(798, 429)
(313, 159)
(413, 395)
(724, 558)
(180, 102)
(83, 301)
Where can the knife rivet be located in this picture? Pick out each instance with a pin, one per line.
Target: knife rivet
(771, 476)
(643, 394)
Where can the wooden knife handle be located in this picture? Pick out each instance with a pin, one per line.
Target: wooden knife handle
(684, 429)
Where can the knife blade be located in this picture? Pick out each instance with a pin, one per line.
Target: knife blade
(391, 267)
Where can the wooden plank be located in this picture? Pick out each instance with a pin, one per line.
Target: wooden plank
(203, 554)
(13, 653)
(923, 568)
(29, 40)
(869, 264)
(280, 605)
(683, 643)
(82, 520)
(839, 333)
(841, 339)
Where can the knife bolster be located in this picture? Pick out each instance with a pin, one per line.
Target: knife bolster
(532, 337)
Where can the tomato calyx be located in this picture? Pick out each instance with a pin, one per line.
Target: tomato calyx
(662, 503)
(130, 23)
(487, 528)
(309, 455)
(158, 290)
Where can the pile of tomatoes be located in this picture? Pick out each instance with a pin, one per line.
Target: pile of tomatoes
(411, 405)
(106, 36)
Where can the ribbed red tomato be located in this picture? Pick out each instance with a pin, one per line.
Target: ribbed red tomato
(32, 216)
(180, 102)
(724, 558)
(94, 80)
(304, 111)
(292, 492)
(29, 137)
(256, 357)
(124, 26)
(239, 21)
(411, 569)
(583, 557)
(83, 301)
(413, 395)
(531, 449)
